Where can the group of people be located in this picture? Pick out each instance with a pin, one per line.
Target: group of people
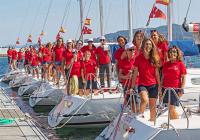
(151, 69)
(145, 66)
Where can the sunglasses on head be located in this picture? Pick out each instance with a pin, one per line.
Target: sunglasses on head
(173, 51)
(152, 31)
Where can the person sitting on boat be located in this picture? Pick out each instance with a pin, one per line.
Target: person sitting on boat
(58, 58)
(146, 65)
(75, 82)
(125, 73)
(174, 76)
(46, 60)
(20, 55)
(9, 55)
(34, 61)
(104, 61)
(90, 47)
(14, 58)
(161, 44)
(122, 41)
(89, 73)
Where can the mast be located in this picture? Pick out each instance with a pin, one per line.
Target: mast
(169, 19)
(130, 20)
(101, 17)
(81, 18)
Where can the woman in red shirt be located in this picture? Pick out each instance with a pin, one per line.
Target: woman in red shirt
(20, 58)
(89, 73)
(34, 61)
(46, 60)
(9, 54)
(58, 58)
(174, 76)
(14, 58)
(125, 71)
(161, 44)
(146, 65)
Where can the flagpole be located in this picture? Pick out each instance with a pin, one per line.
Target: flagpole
(101, 17)
(169, 19)
(130, 20)
(81, 19)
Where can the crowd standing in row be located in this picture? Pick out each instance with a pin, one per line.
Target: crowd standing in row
(145, 65)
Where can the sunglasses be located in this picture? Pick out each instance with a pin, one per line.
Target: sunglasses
(102, 39)
(131, 50)
(152, 31)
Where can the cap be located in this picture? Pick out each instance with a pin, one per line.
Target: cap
(69, 41)
(102, 38)
(90, 40)
(129, 45)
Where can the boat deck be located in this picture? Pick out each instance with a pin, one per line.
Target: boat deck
(23, 128)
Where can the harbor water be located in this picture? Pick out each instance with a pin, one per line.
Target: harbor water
(39, 115)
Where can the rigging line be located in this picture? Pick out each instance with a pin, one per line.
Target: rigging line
(67, 14)
(35, 18)
(65, 11)
(45, 21)
(188, 10)
(24, 18)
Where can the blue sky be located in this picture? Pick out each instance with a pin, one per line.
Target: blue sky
(18, 17)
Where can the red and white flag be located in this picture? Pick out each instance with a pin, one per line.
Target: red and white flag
(86, 30)
(39, 40)
(156, 13)
(29, 39)
(17, 42)
(58, 36)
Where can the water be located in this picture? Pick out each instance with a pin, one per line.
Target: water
(39, 115)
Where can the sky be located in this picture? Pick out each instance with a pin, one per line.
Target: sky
(19, 18)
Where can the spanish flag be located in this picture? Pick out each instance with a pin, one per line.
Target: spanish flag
(164, 2)
(17, 42)
(29, 39)
(87, 21)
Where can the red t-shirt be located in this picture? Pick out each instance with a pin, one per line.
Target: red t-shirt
(104, 57)
(47, 55)
(14, 54)
(162, 50)
(9, 53)
(41, 50)
(172, 73)
(76, 69)
(125, 68)
(59, 53)
(89, 67)
(118, 54)
(68, 55)
(34, 60)
(92, 51)
(146, 69)
(27, 55)
(20, 55)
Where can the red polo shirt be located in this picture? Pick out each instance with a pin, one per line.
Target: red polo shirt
(172, 73)
(20, 55)
(47, 55)
(103, 56)
(162, 50)
(89, 67)
(118, 54)
(146, 69)
(76, 69)
(14, 55)
(92, 51)
(9, 53)
(59, 53)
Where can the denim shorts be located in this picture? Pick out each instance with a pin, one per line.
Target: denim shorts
(152, 90)
(44, 63)
(57, 63)
(173, 99)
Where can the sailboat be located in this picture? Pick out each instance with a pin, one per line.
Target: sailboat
(130, 126)
(88, 111)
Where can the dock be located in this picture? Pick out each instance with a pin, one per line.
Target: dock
(22, 126)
